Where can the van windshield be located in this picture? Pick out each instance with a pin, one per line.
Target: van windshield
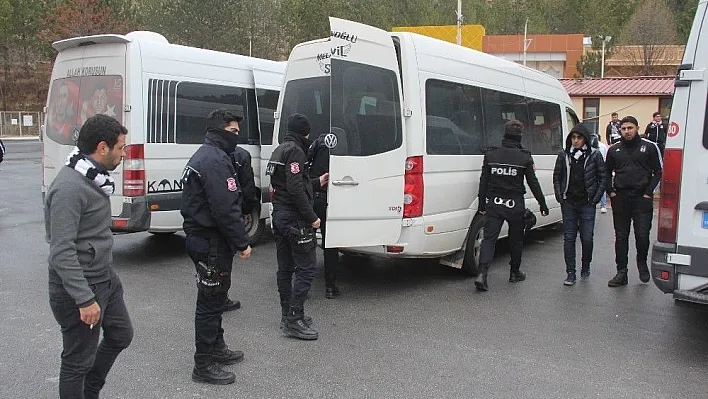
(366, 107)
(310, 97)
(73, 100)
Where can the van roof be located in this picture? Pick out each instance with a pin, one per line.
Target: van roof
(440, 48)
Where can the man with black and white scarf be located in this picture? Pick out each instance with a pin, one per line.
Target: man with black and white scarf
(85, 293)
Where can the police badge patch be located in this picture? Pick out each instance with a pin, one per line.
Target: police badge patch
(294, 168)
(231, 184)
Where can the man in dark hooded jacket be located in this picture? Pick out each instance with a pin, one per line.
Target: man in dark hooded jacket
(579, 180)
(294, 224)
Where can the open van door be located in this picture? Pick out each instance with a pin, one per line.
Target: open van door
(268, 85)
(368, 151)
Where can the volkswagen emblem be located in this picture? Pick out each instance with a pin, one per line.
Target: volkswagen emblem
(330, 140)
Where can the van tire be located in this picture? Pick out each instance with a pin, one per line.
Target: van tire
(470, 264)
(255, 230)
(162, 233)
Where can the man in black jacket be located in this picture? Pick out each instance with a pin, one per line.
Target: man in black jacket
(294, 224)
(241, 160)
(637, 165)
(211, 208)
(501, 198)
(656, 131)
(579, 181)
(2, 151)
(318, 155)
(612, 132)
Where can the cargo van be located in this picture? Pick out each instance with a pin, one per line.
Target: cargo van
(679, 262)
(410, 118)
(162, 93)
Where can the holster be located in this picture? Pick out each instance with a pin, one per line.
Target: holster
(211, 280)
(302, 237)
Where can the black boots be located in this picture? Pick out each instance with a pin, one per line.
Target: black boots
(618, 280)
(231, 305)
(481, 281)
(516, 276)
(297, 327)
(206, 370)
(222, 354)
(331, 292)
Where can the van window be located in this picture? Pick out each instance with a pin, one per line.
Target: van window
(196, 100)
(267, 104)
(543, 135)
(161, 111)
(571, 118)
(500, 108)
(73, 100)
(366, 107)
(453, 118)
(309, 97)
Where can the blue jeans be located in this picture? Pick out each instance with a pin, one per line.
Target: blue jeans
(603, 201)
(578, 218)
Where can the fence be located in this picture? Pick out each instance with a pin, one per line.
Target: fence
(20, 123)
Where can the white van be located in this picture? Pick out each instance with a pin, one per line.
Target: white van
(679, 263)
(162, 93)
(412, 117)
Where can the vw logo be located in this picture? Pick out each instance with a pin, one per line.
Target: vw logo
(330, 140)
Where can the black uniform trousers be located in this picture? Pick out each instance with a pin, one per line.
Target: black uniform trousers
(298, 260)
(499, 210)
(84, 362)
(625, 211)
(208, 333)
(331, 255)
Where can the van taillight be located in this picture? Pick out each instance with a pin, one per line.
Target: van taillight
(134, 171)
(414, 188)
(670, 192)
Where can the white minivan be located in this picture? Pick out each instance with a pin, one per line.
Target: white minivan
(162, 93)
(679, 263)
(410, 118)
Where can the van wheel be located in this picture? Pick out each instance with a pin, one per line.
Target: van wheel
(255, 227)
(474, 246)
(162, 233)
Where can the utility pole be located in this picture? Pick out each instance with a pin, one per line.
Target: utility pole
(527, 42)
(459, 22)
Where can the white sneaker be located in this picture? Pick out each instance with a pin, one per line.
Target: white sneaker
(603, 210)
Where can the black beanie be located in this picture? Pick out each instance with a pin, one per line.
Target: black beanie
(513, 130)
(298, 123)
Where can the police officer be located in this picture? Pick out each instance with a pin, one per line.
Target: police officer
(211, 208)
(241, 159)
(501, 198)
(294, 224)
(318, 155)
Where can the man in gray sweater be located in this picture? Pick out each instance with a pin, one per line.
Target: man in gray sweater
(85, 293)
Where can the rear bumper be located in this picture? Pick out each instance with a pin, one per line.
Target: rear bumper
(134, 217)
(681, 271)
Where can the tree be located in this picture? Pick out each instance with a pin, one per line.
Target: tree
(78, 18)
(652, 30)
(590, 65)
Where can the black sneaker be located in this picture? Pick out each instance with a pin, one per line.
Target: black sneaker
(618, 280)
(284, 321)
(585, 273)
(212, 374)
(231, 305)
(515, 277)
(331, 292)
(298, 329)
(644, 274)
(570, 279)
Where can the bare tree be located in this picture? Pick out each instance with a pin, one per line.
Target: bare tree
(648, 36)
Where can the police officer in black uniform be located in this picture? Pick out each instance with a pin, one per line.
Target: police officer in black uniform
(211, 208)
(294, 224)
(501, 198)
(318, 155)
(241, 160)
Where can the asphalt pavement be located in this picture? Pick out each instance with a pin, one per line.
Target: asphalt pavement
(401, 329)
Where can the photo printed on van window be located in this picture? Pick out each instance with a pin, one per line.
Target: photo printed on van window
(73, 100)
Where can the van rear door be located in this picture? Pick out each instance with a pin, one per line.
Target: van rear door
(268, 86)
(86, 80)
(368, 150)
(689, 131)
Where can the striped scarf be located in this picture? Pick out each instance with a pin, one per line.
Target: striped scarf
(100, 178)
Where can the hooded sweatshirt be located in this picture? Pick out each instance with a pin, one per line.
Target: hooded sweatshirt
(579, 176)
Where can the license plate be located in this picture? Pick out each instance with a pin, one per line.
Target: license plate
(705, 220)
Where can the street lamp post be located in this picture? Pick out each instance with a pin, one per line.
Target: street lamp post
(605, 39)
(459, 22)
